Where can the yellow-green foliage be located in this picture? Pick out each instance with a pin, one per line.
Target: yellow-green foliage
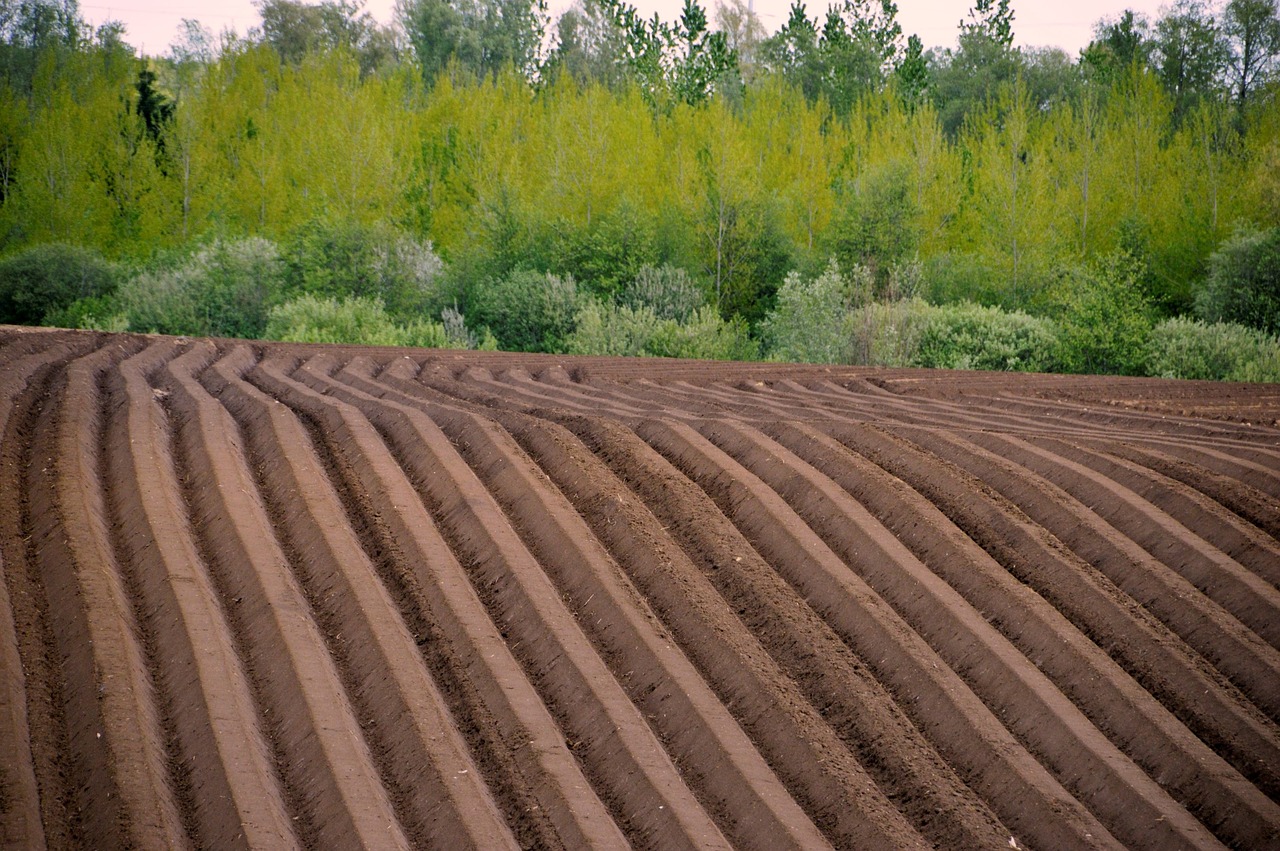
(354, 320)
(257, 146)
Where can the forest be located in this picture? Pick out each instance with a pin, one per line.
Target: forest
(477, 174)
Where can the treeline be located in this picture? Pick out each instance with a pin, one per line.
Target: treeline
(474, 175)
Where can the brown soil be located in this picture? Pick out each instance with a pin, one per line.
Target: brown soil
(272, 596)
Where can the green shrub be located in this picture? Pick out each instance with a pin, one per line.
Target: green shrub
(970, 336)
(613, 249)
(1186, 348)
(1244, 282)
(619, 330)
(669, 292)
(459, 336)
(38, 282)
(353, 320)
(811, 321)
(705, 336)
(95, 313)
(1104, 318)
(527, 311)
(889, 333)
(607, 329)
(343, 258)
(224, 290)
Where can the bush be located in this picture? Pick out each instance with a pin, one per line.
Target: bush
(1185, 348)
(669, 292)
(459, 336)
(224, 290)
(619, 330)
(337, 259)
(527, 311)
(811, 322)
(969, 336)
(705, 336)
(1244, 282)
(95, 313)
(38, 282)
(1104, 318)
(607, 329)
(353, 320)
(889, 333)
(603, 256)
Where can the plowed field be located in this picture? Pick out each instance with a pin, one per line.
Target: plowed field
(277, 596)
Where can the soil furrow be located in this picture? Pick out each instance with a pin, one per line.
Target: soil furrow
(716, 757)
(215, 723)
(538, 747)
(1226, 457)
(840, 689)
(1160, 662)
(279, 595)
(21, 387)
(607, 728)
(492, 745)
(1245, 544)
(28, 718)
(1252, 601)
(818, 770)
(448, 805)
(999, 666)
(117, 763)
(1073, 399)
(1237, 497)
(1252, 665)
(943, 707)
(326, 757)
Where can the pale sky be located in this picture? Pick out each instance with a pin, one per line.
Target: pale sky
(153, 24)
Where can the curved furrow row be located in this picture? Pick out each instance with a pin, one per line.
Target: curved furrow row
(1233, 664)
(1235, 473)
(1247, 458)
(1038, 715)
(576, 396)
(1222, 452)
(608, 727)
(697, 729)
(118, 784)
(222, 749)
(840, 688)
(556, 801)
(1235, 496)
(437, 786)
(1109, 414)
(1152, 750)
(1223, 455)
(965, 730)
(1251, 664)
(535, 623)
(1044, 703)
(21, 386)
(1229, 534)
(275, 595)
(1251, 600)
(1030, 557)
(1092, 400)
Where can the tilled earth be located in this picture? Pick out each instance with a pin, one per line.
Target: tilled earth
(270, 596)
